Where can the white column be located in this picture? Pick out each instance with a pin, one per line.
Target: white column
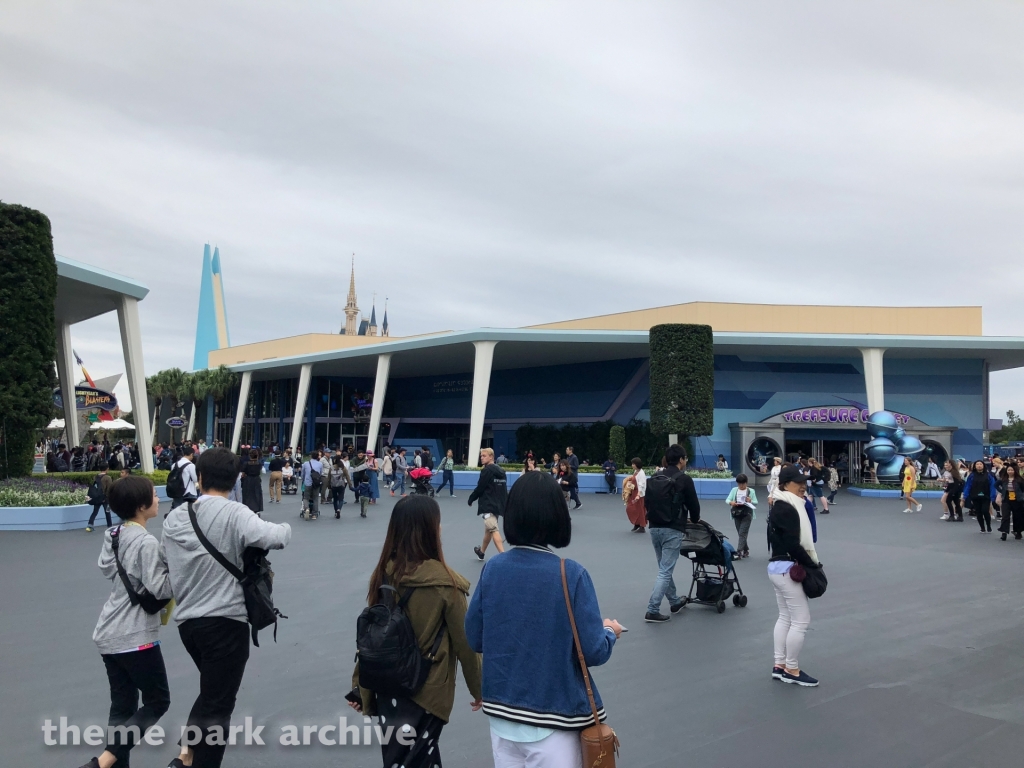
(481, 384)
(873, 381)
(380, 390)
(65, 373)
(192, 422)
(305, 377)
(131, 345)
(243, 402)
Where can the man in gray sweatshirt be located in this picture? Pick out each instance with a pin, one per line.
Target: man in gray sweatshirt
(210, 609)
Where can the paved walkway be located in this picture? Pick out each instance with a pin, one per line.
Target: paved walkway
(917, 644)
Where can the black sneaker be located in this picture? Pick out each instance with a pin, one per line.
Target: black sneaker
(674, 609)
(802, 679)
(656, 618)
(94, 763)
(777, 673)
(479, 552)
(578, 506)
(1002, 537)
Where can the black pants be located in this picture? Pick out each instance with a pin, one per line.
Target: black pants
(220, 648)
(1013, 513)
(981, 511)
(129, 675)
(96, 511)
(574, 493)
(956, 512)
(175, 503)
(425, 751)
(338, 497)
(610, 479)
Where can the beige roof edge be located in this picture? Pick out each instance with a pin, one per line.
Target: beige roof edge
(790, 318)
(300, 344)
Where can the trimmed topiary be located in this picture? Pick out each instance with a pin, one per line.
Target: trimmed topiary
(682, 379)
(617, 445)
(28, 337)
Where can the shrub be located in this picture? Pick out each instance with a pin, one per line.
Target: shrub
(617, 445)
(682, 379)
(28, 338)
(158, 476)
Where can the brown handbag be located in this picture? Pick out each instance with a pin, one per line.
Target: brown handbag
(598, 742)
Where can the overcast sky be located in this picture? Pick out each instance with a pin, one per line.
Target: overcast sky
(506, 164)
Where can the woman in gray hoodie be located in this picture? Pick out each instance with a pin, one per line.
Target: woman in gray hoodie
(126, 635)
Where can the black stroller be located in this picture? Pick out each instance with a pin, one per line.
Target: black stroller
(714, 577)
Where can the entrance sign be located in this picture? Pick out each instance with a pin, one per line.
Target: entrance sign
(831, 414)
(87, 398)
(177, 422)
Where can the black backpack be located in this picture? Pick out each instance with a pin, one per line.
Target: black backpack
(659, 499)
(175, 482)
(315, 478)
(390, 662)
(95, 492)
(256, 578)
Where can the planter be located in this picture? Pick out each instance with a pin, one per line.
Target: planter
(161, 492)
(894, 493)
(68, 518)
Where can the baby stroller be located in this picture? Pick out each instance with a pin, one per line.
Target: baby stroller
(421, 481)
(714, 577)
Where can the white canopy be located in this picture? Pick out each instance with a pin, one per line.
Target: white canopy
(56, 424)
(112, 425)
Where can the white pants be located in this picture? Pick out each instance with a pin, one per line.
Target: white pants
(559, 750)
(794, 618)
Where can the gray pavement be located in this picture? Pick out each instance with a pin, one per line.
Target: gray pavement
(916, 644)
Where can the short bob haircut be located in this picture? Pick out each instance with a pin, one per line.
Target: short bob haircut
(537, 513)
(217, 469)
(130, 494)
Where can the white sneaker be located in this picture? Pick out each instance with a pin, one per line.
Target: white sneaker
(908, 511)
(944, 517)
(920, 507)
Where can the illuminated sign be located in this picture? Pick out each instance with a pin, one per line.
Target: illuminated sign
(177, 422)
(87, 399)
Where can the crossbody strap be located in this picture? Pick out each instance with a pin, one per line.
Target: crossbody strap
(228, 565)
(579, 648)
(133, 596)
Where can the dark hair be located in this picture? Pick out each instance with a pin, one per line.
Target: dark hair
(102, 465)
(130, 494)
(413, 537)
(188, 450)
(254, 455)
(637, 463)
(974, 466)
(537, 513)
(741, 479)
(217, 469)
(674, 455)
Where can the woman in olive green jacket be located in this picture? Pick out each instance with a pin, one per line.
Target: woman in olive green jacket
(412, 558)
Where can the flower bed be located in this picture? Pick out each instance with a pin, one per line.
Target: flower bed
(42, 492)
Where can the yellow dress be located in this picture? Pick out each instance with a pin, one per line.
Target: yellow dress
(909, 483)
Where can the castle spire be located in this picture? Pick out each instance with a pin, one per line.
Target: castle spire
(384, 325)
(351, 308)
(373, 317)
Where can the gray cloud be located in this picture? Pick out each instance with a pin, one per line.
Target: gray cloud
(505, 164)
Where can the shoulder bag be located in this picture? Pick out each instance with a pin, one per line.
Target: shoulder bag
(598, 742)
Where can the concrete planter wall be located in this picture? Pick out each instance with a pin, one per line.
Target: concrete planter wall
(886, 493)
(46, 518)
(593, 482)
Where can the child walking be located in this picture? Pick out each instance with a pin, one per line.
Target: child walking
(742, 502)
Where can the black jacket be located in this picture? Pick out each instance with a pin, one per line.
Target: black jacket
(492, 490)
(684, 502)
(784, 535)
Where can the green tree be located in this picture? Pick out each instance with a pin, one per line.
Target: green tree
(1013, 432)
(682, 379)
(28, 336)
(617, 445)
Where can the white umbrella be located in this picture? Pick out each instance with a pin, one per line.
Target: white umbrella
(56, 424)
(112, 425)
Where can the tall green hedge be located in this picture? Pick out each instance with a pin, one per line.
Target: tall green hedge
(28, 340)
(617, 446)
(682, 379)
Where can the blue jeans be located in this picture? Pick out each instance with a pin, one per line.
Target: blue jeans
(448, 478)
(666, 543)
(338, 497)
(400, 483)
